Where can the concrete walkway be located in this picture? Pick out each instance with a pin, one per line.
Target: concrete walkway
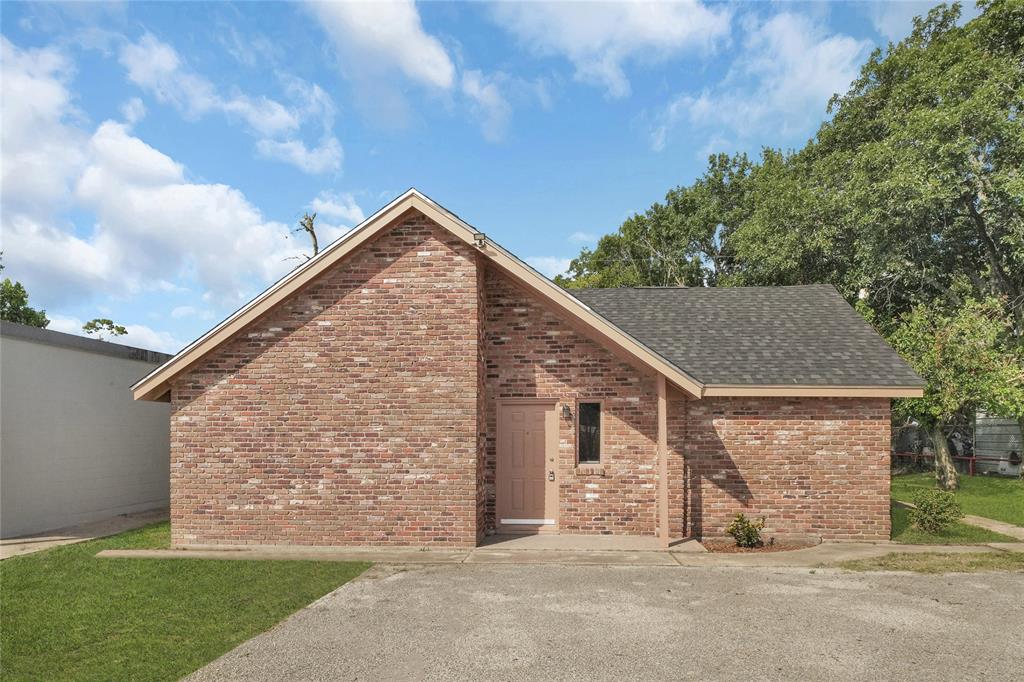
(28, 544)
(995, 526)
(811, 557)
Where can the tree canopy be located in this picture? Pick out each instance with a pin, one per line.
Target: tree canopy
(101, 326)
(909, 191)
(909, 199)
(14, 305)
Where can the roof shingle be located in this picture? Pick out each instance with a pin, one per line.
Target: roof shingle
(768, 336)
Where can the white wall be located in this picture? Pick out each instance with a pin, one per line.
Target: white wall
(74, 446)
(995, 437)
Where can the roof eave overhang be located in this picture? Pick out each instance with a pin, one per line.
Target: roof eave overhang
(156, 385)
(812, 391)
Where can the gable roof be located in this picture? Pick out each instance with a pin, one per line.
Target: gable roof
(690, 336)
(795, 338)
(156, 385)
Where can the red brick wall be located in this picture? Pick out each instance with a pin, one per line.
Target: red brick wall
(531, 352)
(346, 415)
(813, 466)
(363, 411)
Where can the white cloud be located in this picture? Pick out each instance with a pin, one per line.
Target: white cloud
(780, 83)
(133, 111)
(141, 336)
(384, 36)
(327, 156)
(488, 104)
(137, 335)
(151, 222)
(183, 311)
(186, 311)
(157, 68)
(376, 40)
(39, 153)
(149, 228)
(151, 225)
(549, 266)
(338, 207)
(599, 38)
(582, 238)
(249, 50)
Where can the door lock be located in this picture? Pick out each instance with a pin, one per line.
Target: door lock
(551, 475)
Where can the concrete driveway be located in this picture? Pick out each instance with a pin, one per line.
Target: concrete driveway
(595, 622)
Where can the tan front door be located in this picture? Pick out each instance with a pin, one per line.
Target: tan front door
(527, 489)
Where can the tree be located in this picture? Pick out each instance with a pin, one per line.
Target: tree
(100, 326)
(685, 241)
(909, 197)
(962, 357)
(14, 305)
(307, 224)
(913, 186)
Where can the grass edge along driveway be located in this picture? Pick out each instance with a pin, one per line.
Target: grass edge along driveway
(70, 615)
(958, 533)
(937, 562)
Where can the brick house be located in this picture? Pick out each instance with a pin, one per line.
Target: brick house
(417, 384)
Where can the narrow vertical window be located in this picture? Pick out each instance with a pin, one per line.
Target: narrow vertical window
(589, 436)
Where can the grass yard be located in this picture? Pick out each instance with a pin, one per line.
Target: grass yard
(935, 562)
(996, 498)
(956, 534)
(69, 615)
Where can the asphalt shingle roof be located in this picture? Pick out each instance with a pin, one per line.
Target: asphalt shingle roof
(797, 335)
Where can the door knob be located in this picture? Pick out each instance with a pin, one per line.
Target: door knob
(551, 475)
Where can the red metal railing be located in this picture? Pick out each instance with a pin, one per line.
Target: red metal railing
(971, 461)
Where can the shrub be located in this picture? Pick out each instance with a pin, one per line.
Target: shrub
(746, 532)
(936, 510)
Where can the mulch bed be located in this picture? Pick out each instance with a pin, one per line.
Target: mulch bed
(729, 547)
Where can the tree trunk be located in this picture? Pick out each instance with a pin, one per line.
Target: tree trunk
(945, 473)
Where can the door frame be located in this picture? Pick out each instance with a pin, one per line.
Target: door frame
(551, 440)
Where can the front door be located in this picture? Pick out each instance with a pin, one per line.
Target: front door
(525, 476)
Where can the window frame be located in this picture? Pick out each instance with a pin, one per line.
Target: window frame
(600, 433)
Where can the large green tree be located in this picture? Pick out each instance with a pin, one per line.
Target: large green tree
(915, 181)
(685, 241)
(14, 305)
(909, 198)
(911, 187)
(962, 357)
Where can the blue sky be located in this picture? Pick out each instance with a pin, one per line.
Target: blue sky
(156, 156)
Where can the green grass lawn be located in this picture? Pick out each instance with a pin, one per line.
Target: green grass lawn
(996, 498)
(956, 534)
(69, 615)
(935, 562)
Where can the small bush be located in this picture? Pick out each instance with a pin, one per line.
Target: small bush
(746, 532)
(936, 510)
